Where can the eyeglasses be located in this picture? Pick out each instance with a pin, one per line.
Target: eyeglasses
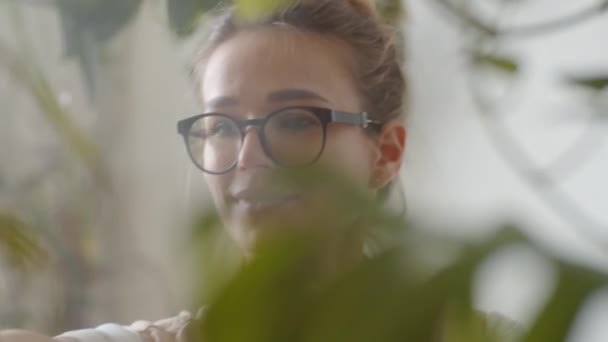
(291, 137)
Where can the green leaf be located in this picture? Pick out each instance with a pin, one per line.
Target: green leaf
(282, 295)
(342, 311)
(266, 299)
(286, 292)
(28, 74)
(184, 15)
(598, 83)
(254, 9)
(99, 19)
(502, 63)
(463, 13)
(87, 24)
(574, 285)
(391, 11)
(17, 244)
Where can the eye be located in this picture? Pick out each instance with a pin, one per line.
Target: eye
(223, 128)
(197, 133)
(215, 127)
(296, 121)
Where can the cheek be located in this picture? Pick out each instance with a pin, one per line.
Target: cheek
(218, 187)
(349, 152)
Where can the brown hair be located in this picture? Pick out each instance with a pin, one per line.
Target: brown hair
(378, 72)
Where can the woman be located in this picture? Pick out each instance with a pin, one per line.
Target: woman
(316, 83)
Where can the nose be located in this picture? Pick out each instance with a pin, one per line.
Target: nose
(252, 153)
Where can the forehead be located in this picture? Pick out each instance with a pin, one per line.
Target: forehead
(257, 62)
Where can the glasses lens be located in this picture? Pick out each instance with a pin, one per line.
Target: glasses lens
(214, 142)
(294, 137)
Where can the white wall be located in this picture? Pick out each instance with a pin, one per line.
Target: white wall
(454, 176)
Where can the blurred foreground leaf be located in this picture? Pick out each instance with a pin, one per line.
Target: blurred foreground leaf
(574, 285)
(17, 244)
(462, 12)
(502, 63)
(391, 11)
(286, 293)
(597, 83)
(87, 24)
(297, 286)
(281, 296)
(184, 15)
(28, 75)
(99, 20)
(254, 9)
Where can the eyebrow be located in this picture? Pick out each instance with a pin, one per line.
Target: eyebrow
(294, 94)
(222, 101)
(277, 96)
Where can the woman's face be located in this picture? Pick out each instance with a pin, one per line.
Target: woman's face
(255, 73)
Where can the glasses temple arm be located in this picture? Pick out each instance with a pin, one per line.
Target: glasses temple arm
(359, 119)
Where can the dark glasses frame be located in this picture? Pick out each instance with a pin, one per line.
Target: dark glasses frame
(325, 116)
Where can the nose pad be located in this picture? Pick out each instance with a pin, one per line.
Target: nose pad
(252, 153)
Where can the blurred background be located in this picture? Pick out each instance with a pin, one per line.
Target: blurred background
(508, 123)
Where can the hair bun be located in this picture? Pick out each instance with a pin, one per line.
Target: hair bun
(366, 7)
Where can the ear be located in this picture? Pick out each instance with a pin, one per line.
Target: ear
(390, 146)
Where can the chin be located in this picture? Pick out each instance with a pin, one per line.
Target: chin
(249, 234)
